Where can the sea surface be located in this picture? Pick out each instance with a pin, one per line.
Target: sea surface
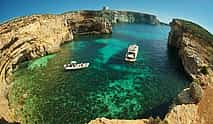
(110, 87)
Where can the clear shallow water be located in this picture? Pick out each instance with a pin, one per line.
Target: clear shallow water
(110, 87)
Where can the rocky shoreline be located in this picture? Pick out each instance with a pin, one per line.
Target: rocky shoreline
(34, 36)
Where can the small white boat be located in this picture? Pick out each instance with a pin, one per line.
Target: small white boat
(132, 53)
(73, 65)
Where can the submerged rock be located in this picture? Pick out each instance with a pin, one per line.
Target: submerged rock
(191, 95)
(196, 92)
(184, 97)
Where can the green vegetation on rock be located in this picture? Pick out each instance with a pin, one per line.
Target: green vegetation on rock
(204, 70)
(196, 30)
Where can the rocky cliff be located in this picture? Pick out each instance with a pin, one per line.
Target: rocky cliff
(194, 45)
(115, 16)
(34, 36)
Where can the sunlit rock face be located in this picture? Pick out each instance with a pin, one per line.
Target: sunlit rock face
(195, 48)
(34, 36)
(26, 38)
(194, 45)
(115, 16)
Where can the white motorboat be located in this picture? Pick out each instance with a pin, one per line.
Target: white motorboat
(73, 65)
(132, 53)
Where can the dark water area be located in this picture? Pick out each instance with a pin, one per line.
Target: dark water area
(110, 87)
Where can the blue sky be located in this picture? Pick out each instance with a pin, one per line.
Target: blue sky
(199, 11)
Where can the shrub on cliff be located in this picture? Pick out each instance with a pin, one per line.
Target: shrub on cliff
(196, 92)
(204, 70)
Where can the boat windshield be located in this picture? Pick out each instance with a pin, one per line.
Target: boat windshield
(73, 62)
(131, 52)
(131, 55)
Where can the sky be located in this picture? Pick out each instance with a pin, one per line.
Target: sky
(198, 11)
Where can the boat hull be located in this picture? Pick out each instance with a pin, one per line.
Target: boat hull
(76, 67)
(133, 49)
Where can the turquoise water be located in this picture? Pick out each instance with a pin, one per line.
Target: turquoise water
(110, 87)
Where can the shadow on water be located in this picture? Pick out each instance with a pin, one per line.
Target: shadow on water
(174, 59)
(159, 111)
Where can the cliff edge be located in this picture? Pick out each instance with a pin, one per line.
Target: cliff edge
(194, 45)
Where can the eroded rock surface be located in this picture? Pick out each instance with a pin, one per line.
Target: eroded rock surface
(117, 121)
(24, 39)
(183, 114)
(34, 36)
(195, 47)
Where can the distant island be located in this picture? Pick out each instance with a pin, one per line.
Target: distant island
(29, 37)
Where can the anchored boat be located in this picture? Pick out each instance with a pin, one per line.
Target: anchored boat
(132, 53)
(73, 65)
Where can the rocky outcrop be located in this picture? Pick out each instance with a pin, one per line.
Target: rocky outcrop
(182, 114)
(195, 47)
(191, 95)
(117, 121)
(34, 36)
(24, 39)
(115, 16)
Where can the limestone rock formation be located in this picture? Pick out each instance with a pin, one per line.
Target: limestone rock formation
(117, 121)
(34, 36)
(183, 114)
(195, 48)
(115, 16)
(190, 95)
(196, 92)
(129, 17)
(24, 39)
